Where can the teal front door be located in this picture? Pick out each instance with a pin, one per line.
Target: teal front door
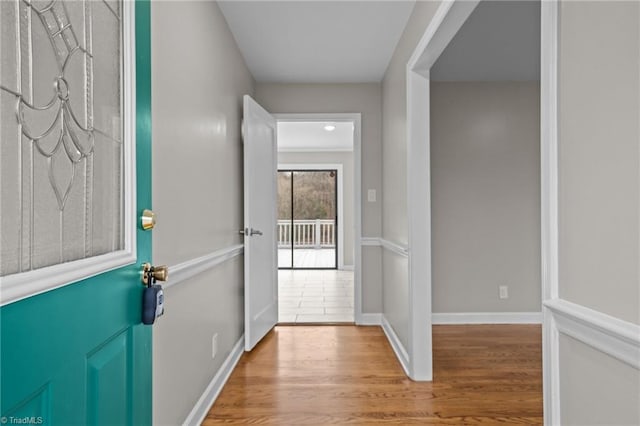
(75, 175)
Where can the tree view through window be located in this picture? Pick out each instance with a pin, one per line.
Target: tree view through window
(307, 225)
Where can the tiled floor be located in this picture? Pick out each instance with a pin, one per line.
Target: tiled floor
(314, 296)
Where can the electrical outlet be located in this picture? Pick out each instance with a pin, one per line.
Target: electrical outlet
(214, 345)
(504, 292)
(371, 195)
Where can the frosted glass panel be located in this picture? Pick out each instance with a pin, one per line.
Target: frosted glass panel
(61, 132)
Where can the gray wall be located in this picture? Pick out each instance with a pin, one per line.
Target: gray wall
(394, 169)
(362, 98)
(599, 199)
(346, 159)
(599, 159)
(485, 196)
(199, 77)
(596, 389)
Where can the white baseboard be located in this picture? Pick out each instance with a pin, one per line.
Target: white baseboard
(487, 318)
(200, 410)
(396, 345)
(347, 268)
(369, 319)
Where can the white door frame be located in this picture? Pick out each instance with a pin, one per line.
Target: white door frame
(446, 22)
(549, 208)
(356, 119)
(609, 335)
(339, 195)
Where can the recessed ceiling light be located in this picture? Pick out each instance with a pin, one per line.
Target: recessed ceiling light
(329, 127)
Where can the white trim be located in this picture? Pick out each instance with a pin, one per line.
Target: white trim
(348, 268)
(329, 166)
(357, 215)
(549, 207)
(356, 119)
(419, 226)
(487, 318)
(549, 149)
(613, 336)
(370, 319)
(443, 27)
(370, 241)
(185, 270)
(396, 248)
(550, 368)
(446, 22)
(312, 150)
(396, 345)
(210, 394)
(27, 284)
(131, 219)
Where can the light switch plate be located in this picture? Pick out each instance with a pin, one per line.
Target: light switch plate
(504, 292)
(214, 345)
(371, 195)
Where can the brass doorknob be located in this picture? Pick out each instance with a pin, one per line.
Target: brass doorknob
(148, 219)
(154, 273)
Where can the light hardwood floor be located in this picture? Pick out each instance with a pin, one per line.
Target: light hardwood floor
(319, 375)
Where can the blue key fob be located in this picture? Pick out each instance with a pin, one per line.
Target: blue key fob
(152, 304)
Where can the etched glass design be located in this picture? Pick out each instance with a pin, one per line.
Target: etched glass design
(61, 132)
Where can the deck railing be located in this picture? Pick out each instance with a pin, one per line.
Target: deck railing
(307, 233)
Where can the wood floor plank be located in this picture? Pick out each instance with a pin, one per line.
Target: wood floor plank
(322, 375)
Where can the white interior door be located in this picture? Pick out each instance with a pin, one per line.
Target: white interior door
(260, 245)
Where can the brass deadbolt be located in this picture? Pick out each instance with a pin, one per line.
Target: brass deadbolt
(154, 273)
(148, 219)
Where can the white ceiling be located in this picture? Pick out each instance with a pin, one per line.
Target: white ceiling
(311, 136)
(317, 41)
(499, 41)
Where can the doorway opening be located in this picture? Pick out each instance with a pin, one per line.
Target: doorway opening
(317, 219)
(307, 219)
(499, 139)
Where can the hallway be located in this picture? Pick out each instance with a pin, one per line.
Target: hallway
(349, 375)
(476, 164)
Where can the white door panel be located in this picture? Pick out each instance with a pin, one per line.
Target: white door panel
(260, 195)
